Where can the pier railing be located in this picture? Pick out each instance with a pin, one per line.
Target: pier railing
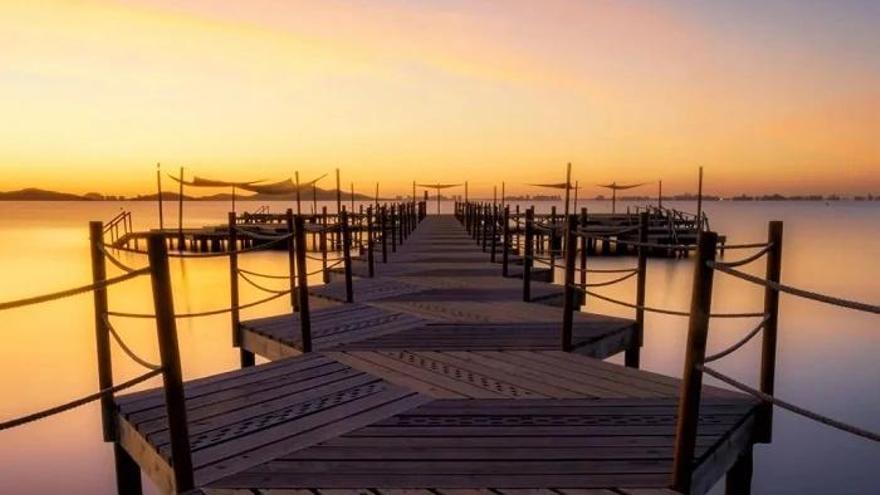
(403, 219)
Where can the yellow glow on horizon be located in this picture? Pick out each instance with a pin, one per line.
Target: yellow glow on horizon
(95, 93)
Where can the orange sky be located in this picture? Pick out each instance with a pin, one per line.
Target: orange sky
(766, 98)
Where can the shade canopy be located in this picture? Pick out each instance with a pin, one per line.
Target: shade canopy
(286, 186)
(619, 187)
(202, 182)
(559, 185)
(439, 186)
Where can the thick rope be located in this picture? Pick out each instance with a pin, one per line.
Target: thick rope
(815, 296)
(661, 310)
(769, 399)
(753, 245)
(72, 292)
(220, 254)
(264, 275)
(125, 348)
(261, 287)
(610, 282)
(213, 312)
(30, 418)
(610, 270)
(749, 336)
(115, 261)
(747, 260)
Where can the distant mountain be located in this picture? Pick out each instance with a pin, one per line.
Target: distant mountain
(34, 194)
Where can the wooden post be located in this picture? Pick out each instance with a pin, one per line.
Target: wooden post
(246, 358)
(346, 255)
(634, 352)
(322, 239)
(692, 377)
(739, 479)
(494, 233)
(569, 296)
(505, 242)
(393, 229)
(291, 259)
(769, 334)
(128, 473)
(302, 279)
(102, 333)
(172, 376)
(527, 255)
(384, 229)
(487, 213)
(660, 194)
(371, 261)
(585, 242)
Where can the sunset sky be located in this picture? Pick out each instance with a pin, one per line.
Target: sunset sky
(767, 96)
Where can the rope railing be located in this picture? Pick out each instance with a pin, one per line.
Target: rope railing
(788, 406)
(609, 270)
(30, 418)
(126, 349)
(117, 263)
(54, 296)
(262, 287)
(794, 291)
(213, 312)
(264, 275)
(749, 259)
(670, 312)
(743, 341)
(610, 282)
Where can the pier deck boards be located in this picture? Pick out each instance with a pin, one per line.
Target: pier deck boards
(436, 384)
(444, 420)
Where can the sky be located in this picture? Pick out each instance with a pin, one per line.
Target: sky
(767, 96)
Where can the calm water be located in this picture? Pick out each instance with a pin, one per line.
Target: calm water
(828, 358)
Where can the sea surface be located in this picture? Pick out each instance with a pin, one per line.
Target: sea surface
(828, 359)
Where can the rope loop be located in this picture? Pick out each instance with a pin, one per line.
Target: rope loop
(54, 296)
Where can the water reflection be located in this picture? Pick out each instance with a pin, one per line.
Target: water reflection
(827, 356)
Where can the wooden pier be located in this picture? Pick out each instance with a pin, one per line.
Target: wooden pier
(433, 376)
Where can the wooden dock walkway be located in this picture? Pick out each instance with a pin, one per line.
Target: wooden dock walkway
(436, 379)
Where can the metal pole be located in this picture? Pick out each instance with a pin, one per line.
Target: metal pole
(172, 377)
(692, 377)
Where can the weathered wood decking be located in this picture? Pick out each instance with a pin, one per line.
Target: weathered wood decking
(434, 383)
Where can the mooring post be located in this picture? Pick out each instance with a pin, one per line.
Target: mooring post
(291, 259)
(505, 242)
(383, 228)
(245, 358)
(769, 333)
(172, 376)
(371, 260)
(584, 241)
(102, 332)
(302, 279)
(393, 228)
(739, 479)
(633, 354)
(568, 292)
(325, 275)
(402, 221)
(528, 255)
(346, 255)
(692, 377)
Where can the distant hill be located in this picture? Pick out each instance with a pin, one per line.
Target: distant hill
(34, 194)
